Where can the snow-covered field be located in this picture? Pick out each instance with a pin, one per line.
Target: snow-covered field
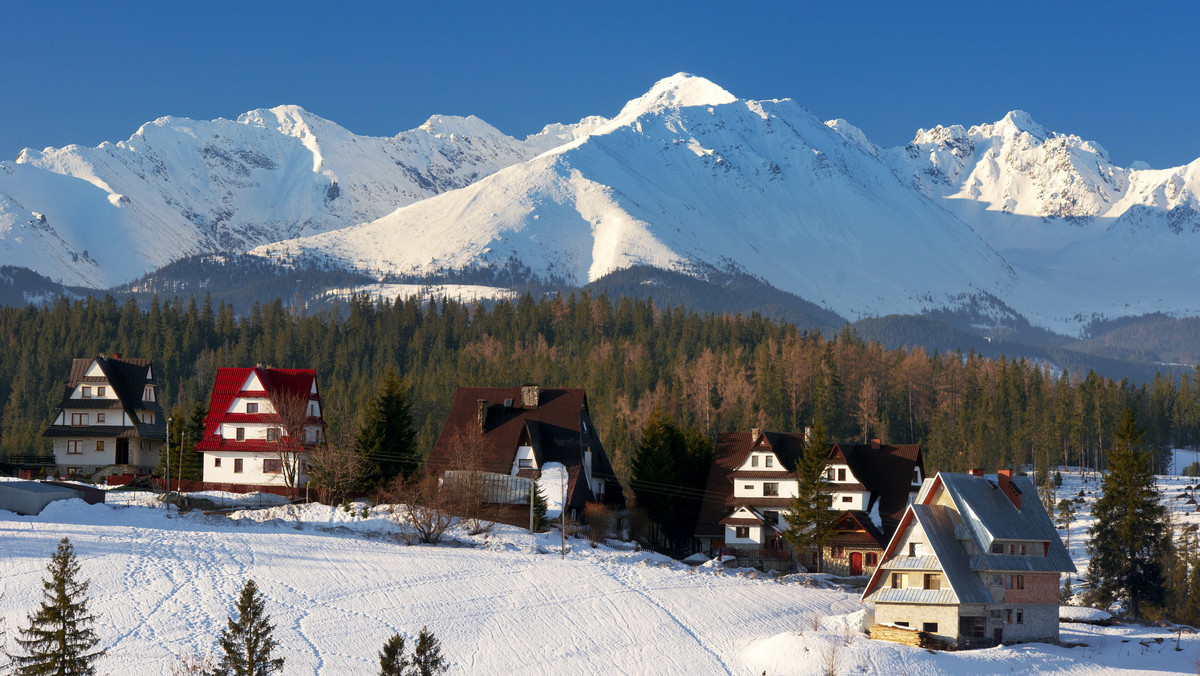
(337, 585)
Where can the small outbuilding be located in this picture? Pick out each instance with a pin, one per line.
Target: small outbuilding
(29, 498)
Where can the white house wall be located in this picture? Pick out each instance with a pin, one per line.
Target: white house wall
(239, 405)
(252, 468)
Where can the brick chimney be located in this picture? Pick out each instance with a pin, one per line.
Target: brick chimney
(875, 444)
(116, 355)
(481, 406)
(1004, 479)
(976, 472)
(529, 396)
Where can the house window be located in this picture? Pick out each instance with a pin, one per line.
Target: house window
(86, 392)
(1008, 616)
(914, 549)
(771, 488)
(916, 476)
(829, 474)
(900, 624)
(841, 474)
(251, 407)
(100, 391)
(79, 419)
(749, 487)
(897, 580)
(1012, 550)
(1020, 582)
(930, 627)
(237, 465)
(1020, 616)
(997, 549)
(148, 394)
(769, 461)
(771, 517)
(741, 532)
(271, 466)
(1022, 550)
(525, 463)
(872, 559)
(837, 552)
(99, 418)
(74, 448)
(216, 462)
(847, 498)
(100, 445)
(272, 434)
(241, 434)
(933, 581)
(147, 417)
(754, 461)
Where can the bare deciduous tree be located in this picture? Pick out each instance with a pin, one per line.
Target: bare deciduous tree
(335, 470)
(599, 520)
(419, 504)
(289, 421)
(470, 491)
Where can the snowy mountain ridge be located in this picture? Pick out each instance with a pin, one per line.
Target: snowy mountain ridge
(686, 177)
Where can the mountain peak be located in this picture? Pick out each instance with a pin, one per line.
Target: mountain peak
(453, 125)
(678, 91)
(1018, 121)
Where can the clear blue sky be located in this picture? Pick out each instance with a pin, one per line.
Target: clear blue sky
(1127, 75)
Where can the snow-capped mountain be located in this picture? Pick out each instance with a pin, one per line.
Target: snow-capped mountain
(101, 216)
(688, 177)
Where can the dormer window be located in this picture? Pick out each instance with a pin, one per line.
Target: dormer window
(147, 417)
(85, 392)
(251, 407)
(148, 393)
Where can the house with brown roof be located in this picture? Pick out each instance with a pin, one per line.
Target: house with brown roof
(975, 562)
(752, 482)
(109, 417)
(252, 415)
(519, 431)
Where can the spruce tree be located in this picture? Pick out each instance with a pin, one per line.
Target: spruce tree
(246, 643)
(386, 438)
(60, 638)
(1130, 537)
(810, 517)
(427, 658)
(392, 659)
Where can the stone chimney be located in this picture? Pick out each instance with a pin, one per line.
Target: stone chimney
(529, 396)
(807, 434)
(976, 472)
(481, 406)
(875, 444)
(1004, 479)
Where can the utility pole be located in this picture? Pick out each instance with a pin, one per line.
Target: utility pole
(563, 515)
(168, 465)
(532, 489)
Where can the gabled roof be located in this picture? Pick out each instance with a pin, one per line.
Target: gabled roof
(886, 471)
(559, 428)
(128, 377)
(228, 386)
(989, 515)
(860, 520)
(964, 585)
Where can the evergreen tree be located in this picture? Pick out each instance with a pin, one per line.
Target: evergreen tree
(386, 438)
(669, 472)
(246, 643)
(427, 657)
(1130, 537)
(539, 508)
(60, 638)
(392, 659)
(810, 517)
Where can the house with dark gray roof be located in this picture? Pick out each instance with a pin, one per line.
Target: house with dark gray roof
(975, 561)
(752, 482)
(109, 417)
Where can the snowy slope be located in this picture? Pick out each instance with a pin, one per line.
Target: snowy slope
(336, 586)
(1088, 238)
(687, 177)
(102, 216)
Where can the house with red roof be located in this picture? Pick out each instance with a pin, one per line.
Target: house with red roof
(521, 431)
(752, 483)
(261, 422)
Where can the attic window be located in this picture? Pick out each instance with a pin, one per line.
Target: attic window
(525, 463)
(997, 549)
(251, 407)
(769, 461)
(754, 461)
(508, 403)
(100, 391)
(86, 392)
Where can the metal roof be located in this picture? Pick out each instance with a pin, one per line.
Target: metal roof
(939, 530)
(914, 595)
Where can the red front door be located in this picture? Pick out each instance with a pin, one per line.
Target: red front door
(856, 563)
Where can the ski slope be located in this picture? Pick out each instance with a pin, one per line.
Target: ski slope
(337, 585)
